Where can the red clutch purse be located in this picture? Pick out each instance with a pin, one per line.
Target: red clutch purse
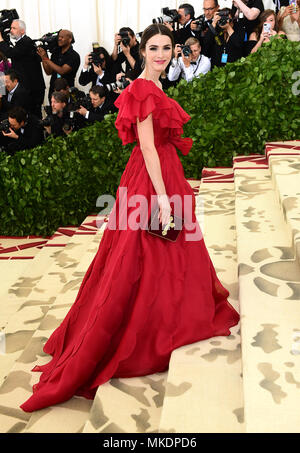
(170, 232)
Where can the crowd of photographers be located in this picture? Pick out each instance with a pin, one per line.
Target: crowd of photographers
(217, 37)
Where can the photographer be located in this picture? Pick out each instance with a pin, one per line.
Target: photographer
(24, 131)
(100, 105)
(58, 115)
(225, 43)
(16, 95)
(26, 63)
(61, 86)
(98, 68)
(129, 54)
(187, 15)
(210, 7)
(190, 64)
(64, 61)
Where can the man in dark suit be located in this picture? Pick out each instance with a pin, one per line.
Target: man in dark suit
(25, 131)
(187, 16)
(101, 105)
(26, 63)
(64, 62)
(16, 95)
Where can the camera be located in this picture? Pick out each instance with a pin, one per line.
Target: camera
(49, 120)
(5, 126)
(186, 51)
(122, 84)
(78, 99)
(48, 41)
(95, 59)
(7, 16)
(94, 56)
(224, 18)
(201, 23)
(125, 38)
(169, 15)
(70, 123)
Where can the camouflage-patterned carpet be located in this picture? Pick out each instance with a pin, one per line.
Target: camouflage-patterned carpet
(247, 382)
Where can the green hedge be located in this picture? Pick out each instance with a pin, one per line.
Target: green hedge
(234, 110)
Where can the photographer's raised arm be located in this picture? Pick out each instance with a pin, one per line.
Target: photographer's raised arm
(249, 13)
(114, 54)
(50, 67)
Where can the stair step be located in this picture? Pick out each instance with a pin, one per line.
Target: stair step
(13, 391)
(32, 303)
(285, 172)
(204, 387)
(269, 304)
(18, 287)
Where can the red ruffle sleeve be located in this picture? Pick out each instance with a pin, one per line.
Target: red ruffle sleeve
(139, 100)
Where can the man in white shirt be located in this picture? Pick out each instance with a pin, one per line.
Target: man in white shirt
(189, 66)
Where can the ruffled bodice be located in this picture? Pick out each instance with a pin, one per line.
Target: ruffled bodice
(138, 101)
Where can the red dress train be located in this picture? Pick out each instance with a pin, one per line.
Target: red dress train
(142, 297)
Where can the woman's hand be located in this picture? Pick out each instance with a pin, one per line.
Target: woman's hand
(164, 209)
(264, 37)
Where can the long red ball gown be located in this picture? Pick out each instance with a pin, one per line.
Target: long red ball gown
(142, 296)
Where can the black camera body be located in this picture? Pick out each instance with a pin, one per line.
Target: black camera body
(201, 23)
(48, 42)
(94, 58)
(224, 18)
(125, 38)
(48, 121)
(121, 84)
(5, 126)
(186, 51)
(169, 15)
(7, 16)
(78, 99)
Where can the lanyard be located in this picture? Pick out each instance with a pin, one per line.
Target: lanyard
(194, 72)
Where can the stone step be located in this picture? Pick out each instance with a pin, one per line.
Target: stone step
(32, 302)
(285, 173)
(19, 280)
(269, 303)
(14, 391)
(204, 386)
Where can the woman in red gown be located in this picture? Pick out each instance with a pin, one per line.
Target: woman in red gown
(142, 296)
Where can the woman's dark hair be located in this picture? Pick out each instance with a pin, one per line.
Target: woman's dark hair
(108, 60)
(262, 19)
(153, 30)
(128, 30)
